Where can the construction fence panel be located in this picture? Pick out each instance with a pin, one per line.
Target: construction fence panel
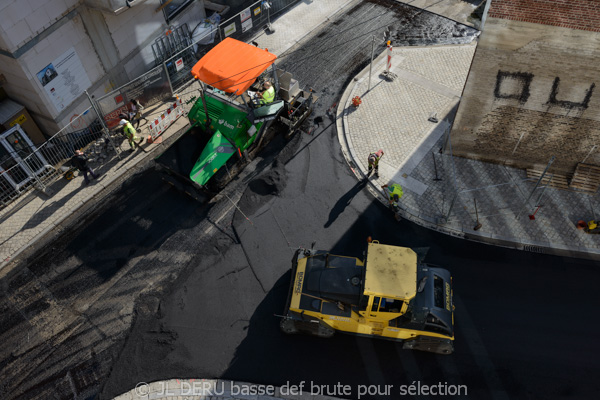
(149, 89)
(242, 26)
(155, 86)
(180, 65)
(78, 135)
(46, 163)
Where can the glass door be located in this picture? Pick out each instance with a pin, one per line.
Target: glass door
(18, 159)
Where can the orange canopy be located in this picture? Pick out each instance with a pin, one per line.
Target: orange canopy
(232, 65)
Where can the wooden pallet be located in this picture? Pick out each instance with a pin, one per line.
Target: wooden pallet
(558, 181)
(586, 178)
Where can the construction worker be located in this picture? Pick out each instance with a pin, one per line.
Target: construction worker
(394, 193)
(129, 132)
(79, 161)
(135, 113)
(373, 160)
(268, 94)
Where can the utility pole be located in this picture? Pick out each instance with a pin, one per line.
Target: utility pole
(371, 65)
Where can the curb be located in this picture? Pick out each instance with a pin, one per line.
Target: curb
(496, 240)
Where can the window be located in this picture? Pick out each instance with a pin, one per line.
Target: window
(376, 301)
(390, 305)
(172, 8)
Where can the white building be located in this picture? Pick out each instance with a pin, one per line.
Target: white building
(96, 45)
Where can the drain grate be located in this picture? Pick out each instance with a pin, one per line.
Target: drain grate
(534, 249)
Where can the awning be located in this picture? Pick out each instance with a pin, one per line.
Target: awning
(232, 65)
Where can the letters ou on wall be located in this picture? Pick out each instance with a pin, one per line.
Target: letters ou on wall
(513, 85)
(516, 86)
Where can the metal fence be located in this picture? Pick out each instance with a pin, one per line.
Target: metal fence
(242, 26)
(37, 167)
(149, 89)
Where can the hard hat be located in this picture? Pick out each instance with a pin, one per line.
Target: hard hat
(122, 122)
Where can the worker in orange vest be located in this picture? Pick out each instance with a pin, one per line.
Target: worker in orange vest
(373, 160)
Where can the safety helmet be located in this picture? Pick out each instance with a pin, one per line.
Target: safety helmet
(122, 122)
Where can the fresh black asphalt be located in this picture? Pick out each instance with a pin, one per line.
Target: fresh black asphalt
(141, 292)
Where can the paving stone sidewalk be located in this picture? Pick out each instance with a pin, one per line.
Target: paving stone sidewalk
(441, 191)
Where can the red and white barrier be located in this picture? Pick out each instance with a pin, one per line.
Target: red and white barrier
(388, 73)
(389, 56)
(160, 124)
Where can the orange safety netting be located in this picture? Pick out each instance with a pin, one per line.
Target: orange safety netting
(232, 65)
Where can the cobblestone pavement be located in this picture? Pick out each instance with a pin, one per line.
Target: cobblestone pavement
(441, 191)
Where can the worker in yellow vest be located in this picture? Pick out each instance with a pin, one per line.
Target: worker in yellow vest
(394, 193)
(268, 94)
(129, 132)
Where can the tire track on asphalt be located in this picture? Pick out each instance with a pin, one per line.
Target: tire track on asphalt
(410, 367)
(480, 354)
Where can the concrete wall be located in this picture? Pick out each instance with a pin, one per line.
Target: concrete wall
(131, 28)
(21, 86)
(22, 83)
(531, 92)
(108, 5)
(21, 20)
(154, 25)
(114, 48)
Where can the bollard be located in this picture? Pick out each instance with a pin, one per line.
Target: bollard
(478, 226)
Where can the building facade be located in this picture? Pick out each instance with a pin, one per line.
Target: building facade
(51, 51)
(531, 92)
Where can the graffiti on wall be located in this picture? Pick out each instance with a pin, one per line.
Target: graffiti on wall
(569, 104)
(516, 86)
(513, 85)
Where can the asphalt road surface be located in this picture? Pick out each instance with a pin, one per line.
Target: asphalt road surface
(155, 286)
